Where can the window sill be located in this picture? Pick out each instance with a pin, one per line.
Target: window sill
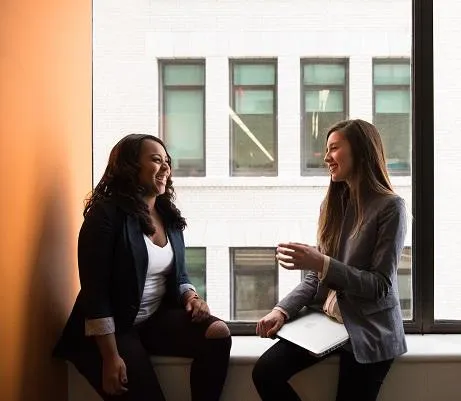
(421, 348)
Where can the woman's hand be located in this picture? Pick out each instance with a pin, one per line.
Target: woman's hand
(114, 375)
(197, 307)
(270, 324)
(296, 256)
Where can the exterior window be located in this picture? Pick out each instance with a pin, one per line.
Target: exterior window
(253, 116)
(323, 102)
(183, 115)
(255, 282)
(392, 111)
(196, 268)
(404, 280)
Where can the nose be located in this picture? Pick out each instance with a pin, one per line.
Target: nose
(165, 166)
(327, 157)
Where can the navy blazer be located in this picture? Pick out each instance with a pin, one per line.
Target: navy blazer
(112, 263)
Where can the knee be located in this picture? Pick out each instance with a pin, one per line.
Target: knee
(217, 329)
(263, 371)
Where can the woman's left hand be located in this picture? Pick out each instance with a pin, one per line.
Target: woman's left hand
(296, 256)
(198, 308)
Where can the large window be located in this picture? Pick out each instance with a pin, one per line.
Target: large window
(183, 115)
(253, 114)
(323, 103)
(275, 81)
(196, 268)
(255, 283)
(391, 111)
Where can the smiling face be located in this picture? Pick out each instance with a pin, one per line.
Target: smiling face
(154, 168)
(339, 158)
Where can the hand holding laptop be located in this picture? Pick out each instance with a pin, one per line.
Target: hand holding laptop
(270, 324)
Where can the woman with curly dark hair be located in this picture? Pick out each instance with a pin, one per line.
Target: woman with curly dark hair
(136, 298)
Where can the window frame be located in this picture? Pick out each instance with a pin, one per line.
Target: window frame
(253, 61)
(423, 176)
(308, 172)
(392, 61)
(162, 63)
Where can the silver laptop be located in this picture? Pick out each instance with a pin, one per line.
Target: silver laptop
(314, 331)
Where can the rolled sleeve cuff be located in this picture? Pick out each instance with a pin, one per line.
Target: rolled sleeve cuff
(287, 316)
(186, 287)
(326, 266)
(99, 327)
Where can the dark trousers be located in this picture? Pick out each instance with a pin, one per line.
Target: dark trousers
(357, 382)
(168, 332)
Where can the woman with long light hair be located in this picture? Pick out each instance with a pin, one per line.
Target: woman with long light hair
(351, 273)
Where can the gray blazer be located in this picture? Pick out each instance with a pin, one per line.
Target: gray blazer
(364, 274)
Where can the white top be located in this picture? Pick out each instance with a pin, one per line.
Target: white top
(160, 262)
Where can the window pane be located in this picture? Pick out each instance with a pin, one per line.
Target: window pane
(253, 124)
(254, 101)
(255, 282)
(180, 75)
(405, 283)
(392, 101)
(324, 74)
(253, 144)
(447, 161)
(316, 128)
(394, 130)
(324, 100)
(196, 267)
(183, 124)
(323, 105)
(254, 74)
(392, 74)
(392, 113)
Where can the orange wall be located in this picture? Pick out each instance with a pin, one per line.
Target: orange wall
(45, 172)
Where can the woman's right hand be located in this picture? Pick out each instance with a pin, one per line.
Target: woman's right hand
(114, 375)
(270, 324)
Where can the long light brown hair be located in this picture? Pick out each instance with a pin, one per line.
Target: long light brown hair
(369, 175)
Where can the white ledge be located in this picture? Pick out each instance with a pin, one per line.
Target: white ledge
(421, 348)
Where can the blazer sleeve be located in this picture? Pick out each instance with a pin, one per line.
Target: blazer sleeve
(96, 244)
(375, 282)
(301, 295)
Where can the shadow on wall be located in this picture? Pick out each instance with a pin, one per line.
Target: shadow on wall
(50, 291)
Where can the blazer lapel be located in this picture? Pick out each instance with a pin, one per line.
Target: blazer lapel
(138, 250)
(177, 248)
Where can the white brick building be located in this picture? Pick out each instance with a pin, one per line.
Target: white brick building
(225, 211)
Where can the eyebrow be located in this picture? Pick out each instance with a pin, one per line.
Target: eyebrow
(333, 143)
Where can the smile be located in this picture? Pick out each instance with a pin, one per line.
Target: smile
(161, 179)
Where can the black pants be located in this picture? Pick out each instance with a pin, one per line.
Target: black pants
(357, 382)
(168, 332)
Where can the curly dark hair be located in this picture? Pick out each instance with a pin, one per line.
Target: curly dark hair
(120, 180)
